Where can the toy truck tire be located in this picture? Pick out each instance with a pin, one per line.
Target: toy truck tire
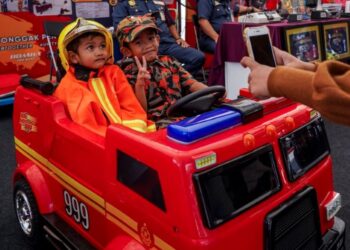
(27, 212)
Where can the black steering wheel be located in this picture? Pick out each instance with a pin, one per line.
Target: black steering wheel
(196, 102)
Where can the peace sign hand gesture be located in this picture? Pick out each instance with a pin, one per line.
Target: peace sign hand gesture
(143, 74)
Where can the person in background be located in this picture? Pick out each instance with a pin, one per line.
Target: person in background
(158, 81)
(211, 15)
(96, 92)
(323, 86)
(170, 41)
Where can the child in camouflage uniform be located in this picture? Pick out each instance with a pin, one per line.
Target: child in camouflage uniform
(158, 81)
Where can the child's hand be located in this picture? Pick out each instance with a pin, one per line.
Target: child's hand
(223, 98)
(143, 74)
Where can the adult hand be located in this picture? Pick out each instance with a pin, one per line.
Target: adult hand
(258, 77)
(143, 74)
(256, 9)
(182, 43)
(284, 58)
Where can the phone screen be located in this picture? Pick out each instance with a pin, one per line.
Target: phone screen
(262, 50)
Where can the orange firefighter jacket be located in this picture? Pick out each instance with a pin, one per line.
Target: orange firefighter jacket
(105, 99)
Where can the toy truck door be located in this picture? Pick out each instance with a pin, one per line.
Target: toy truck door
(135, 197)
(77, 158)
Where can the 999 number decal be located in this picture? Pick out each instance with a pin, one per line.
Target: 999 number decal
(76, 209)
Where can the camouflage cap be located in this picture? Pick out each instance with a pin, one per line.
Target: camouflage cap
(131, 26)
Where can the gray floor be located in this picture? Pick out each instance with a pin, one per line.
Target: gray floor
(11, 238)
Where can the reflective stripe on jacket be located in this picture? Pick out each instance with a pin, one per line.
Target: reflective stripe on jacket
(105, 99)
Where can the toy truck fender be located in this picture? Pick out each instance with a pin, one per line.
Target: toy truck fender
(33, 175)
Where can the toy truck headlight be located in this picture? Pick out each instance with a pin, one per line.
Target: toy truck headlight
(303, 148)
(333, 206)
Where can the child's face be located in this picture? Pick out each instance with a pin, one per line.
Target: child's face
(92, 52)
(145, 44)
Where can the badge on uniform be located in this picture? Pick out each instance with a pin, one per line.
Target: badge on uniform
(113, 2)
(162, 16)
(131, 3)
(159, 3)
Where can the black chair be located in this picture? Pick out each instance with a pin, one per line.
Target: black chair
(53, 29)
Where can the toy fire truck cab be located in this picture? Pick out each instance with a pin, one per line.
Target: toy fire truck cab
(247, 175)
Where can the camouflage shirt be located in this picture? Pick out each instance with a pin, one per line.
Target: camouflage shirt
(169, 82)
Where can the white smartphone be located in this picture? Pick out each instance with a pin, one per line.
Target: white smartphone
(259, 45)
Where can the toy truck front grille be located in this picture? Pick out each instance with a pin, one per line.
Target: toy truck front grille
(295, 224)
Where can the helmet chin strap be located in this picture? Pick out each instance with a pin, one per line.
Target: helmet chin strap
(83, 73)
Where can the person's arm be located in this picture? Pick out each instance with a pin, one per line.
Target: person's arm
(187, 82)
(119, 13)
(259, 74)
(197, 86)
(242, 9)
(175, 34)
(208, 29)
(247, 9)
(326, 89)
(205, 9)
(172, 28)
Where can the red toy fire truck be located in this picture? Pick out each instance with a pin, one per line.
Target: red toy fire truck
(245, 175)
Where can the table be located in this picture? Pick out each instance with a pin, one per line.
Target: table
(231, 48)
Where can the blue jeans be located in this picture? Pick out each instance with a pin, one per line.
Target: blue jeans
(192, 59)
(207, 44)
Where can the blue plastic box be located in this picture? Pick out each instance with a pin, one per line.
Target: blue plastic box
(195, 128)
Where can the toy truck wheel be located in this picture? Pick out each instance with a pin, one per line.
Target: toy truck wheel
(27, 212)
